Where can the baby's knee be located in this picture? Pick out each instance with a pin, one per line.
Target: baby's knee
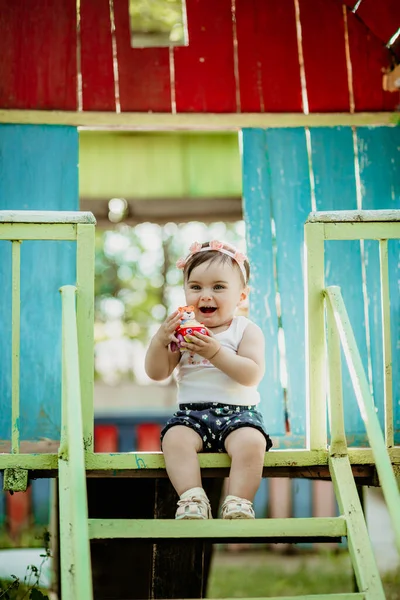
(182, 438)
(246, 441)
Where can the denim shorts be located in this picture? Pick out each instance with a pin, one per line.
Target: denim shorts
(214, 422)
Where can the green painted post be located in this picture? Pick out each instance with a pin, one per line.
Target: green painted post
(335, 398)
(85, 322)
(72, 466)
(386, 343)
(16, 342)
(315, 334)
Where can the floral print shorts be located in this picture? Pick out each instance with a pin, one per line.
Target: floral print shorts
(214, 422)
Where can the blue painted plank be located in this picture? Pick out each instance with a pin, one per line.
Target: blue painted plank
(335, 189)
(2, 503)
(38, 171)
(261, 500)
(379, 157)
(257, 212)
(302, 502)
(41, 501)
(126, 438)
(291, 204)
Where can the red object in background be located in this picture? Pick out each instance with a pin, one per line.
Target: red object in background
(383, 21)
(106, 438)
(148, 437)
(18, 511)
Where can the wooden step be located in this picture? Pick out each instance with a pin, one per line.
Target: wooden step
(218, 530)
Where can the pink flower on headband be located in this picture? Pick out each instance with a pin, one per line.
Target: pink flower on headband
(195, 247)
(240, 258)
(180, 263)
(216, 245)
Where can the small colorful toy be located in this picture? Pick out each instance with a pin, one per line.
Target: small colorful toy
(187, 326)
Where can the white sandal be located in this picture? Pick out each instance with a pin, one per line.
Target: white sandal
(237, 508)
(194, 507)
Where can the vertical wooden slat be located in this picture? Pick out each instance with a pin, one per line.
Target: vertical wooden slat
(98, 91)
(38, 54)
(16, 338)
(85, 320)
(324, 55)
(324, 505)
(280, 502)
(383, 22)
(257, 214)
(266, 30)
(335, 189)
(335, 398)
(144, 74)
(204, 71)
(38, 171)
(379, 154)
(369, 58)
(302, 501)
(386, 342)
(41, 498)
(291, 204)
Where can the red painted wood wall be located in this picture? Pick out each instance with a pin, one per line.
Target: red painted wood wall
(243, 56)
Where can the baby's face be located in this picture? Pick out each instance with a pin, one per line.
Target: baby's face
(215, 289)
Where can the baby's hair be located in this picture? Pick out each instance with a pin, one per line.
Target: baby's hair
(212, 256)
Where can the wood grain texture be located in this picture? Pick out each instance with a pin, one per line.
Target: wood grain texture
(98, 89)
(369, 58)
(204, 71)
(38, 50)
(324, 55)
(143, 73)
(268, 64)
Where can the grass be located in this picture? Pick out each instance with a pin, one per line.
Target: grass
(266, 574)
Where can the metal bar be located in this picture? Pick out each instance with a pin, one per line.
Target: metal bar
(15, 345)
(215, 529)
(75, 477)
(386, 342)
(362, 231)
(335, 397)
(315, 335)
(85, 324)
(362, 555)
(367, 409)
(29, 231)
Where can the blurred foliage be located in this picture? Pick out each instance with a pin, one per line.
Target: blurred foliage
(158, 17)
(137, 283)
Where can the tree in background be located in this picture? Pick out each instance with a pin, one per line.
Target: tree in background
(137, 284)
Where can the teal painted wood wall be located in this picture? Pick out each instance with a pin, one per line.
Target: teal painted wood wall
(278, 195)
(38, 171)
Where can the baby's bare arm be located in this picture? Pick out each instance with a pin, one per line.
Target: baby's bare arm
(160, 361)
(246, 367)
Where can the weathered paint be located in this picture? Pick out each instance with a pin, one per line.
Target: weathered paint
(363, 560)
(217, 528)
(367, 409)
(38, 170)
(379, 157)
(335, 190)
(257, 213)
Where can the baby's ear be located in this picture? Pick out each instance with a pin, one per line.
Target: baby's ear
(245, 293)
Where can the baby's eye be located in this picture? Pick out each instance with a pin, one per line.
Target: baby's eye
(219, 287)
(194, 287)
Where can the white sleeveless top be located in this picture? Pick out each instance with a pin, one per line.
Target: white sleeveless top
(199, 381)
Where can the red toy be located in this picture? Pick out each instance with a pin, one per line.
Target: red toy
(188, 325)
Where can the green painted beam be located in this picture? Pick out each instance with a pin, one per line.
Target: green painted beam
(217, 528)
(348, 596)
(154, 460)
(159, 165)
(28, 231)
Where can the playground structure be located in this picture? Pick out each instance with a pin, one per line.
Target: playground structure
(318, 137)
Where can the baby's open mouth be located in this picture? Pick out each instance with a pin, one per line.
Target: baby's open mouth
(207, 309)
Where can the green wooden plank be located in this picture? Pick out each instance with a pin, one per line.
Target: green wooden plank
(217, 528)
(362, 231)
(55, 217)
(345, 596)
(363, 559)
(29, 231)
(16, 348)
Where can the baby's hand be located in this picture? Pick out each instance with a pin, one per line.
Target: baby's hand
(204, 345)
(166, 334)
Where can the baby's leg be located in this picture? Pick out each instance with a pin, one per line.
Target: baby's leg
(246, 447)
(180, 446)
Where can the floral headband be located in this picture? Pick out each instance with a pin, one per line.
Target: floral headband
(196, 247)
